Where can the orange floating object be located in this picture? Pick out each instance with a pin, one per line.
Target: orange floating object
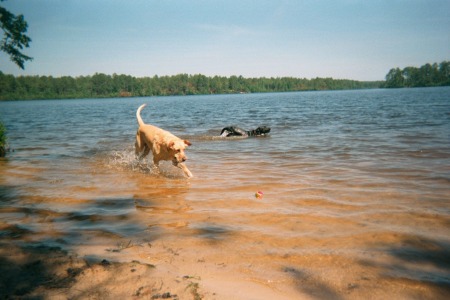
(259, 194)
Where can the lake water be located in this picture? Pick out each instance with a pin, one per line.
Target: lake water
(356, 189)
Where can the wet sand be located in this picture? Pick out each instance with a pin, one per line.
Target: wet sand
(186, 239)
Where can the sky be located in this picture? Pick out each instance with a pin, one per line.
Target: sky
(342, 39)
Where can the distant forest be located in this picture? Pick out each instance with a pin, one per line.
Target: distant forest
(101, 86)
(105, 86)
(425, 76)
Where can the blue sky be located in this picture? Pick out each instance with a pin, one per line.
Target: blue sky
(351, 39)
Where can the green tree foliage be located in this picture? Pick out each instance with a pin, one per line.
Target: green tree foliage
(425, 76)
(101, 85)
(14, 37)
(2, 139)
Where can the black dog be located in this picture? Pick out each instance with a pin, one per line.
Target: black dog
(236, 131)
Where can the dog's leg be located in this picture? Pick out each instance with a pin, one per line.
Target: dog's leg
(145, 153)
(138, 145)
(156, 160)
(186, 171)
(155, 166)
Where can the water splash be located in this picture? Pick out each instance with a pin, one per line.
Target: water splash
(126, 160)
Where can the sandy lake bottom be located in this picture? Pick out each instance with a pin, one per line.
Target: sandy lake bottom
(355, 199)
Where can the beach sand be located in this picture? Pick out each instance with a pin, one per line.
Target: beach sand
(188, 268)
(41, 272)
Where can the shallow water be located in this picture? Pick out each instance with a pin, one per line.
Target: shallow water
(356, 187)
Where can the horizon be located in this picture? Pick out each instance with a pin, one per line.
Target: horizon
(343, 40)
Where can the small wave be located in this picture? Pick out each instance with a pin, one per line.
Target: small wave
(219, 138)
(216, 138)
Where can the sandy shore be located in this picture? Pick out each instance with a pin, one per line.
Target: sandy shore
(42, 272)
(171, 270)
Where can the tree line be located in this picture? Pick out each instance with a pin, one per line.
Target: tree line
(425, 76)
(102, 85)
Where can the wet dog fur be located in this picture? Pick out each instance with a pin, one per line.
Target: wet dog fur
(163, 144)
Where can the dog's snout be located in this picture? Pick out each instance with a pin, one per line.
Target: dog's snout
(183, 159)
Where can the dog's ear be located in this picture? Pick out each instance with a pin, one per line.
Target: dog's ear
(170, 145)
(187, 143)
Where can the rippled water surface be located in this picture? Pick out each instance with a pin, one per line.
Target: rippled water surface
(356, 185)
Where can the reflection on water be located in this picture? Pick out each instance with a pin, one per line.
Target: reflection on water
(355, 184)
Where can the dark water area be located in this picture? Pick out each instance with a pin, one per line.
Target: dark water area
(356, 185)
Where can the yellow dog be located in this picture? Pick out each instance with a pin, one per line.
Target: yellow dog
(163, 144)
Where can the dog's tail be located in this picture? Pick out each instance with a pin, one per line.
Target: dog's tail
(138, 114)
